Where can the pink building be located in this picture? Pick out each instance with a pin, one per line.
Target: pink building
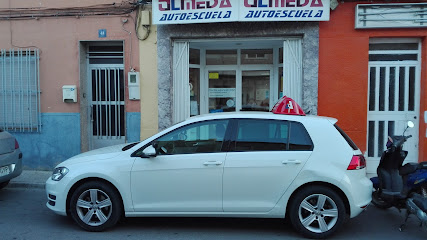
(64, 73)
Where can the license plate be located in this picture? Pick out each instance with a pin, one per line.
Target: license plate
(4, 171)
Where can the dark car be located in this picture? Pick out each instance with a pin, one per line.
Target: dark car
(10, 158)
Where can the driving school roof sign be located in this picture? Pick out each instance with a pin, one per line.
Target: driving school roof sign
(209, 11)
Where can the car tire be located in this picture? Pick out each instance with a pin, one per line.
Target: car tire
(378, 202)
(3, 184)
(317, 212)
(96, 206)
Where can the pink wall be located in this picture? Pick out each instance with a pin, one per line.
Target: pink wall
(58, 41)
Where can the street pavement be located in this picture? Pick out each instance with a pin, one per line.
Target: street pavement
(30, 179)
(24, 214)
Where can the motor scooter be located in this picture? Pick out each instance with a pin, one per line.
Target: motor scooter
(398, 185)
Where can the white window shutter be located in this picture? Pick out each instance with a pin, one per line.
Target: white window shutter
(181, 88)
(292, 69)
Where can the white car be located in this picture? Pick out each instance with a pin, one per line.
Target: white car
(244, 164)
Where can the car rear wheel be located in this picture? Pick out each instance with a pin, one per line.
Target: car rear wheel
(317, 212)
(3, 184)
(96, 206)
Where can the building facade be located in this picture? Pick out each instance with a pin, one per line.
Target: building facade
(68, 74)
(219, 56)
(372, 73)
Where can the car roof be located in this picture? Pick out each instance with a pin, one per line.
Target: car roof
(258, 115)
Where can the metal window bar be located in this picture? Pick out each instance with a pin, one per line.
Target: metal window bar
(20, 90)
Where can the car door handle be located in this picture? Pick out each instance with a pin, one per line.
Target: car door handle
(294, 161)
(217, 163)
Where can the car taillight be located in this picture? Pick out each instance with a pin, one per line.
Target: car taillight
(357, 162)
(16, 144)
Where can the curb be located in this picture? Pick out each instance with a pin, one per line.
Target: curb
(25, 185)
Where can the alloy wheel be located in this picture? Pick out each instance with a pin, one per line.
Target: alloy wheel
(318, 213)
(94, 207)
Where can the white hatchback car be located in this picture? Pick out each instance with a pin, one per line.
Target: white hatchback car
(260, 165)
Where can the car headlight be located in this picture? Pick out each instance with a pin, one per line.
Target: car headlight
(59, 173)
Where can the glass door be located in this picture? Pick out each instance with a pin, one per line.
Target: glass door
(256, 90)
(222, 91)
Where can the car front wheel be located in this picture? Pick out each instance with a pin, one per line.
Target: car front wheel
(95, 206)
(317, 212)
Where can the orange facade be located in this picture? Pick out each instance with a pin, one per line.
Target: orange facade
(343, 72)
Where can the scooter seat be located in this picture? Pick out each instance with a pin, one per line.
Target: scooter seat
(420, 201)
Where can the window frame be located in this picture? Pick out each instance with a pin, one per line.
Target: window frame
(20, 86)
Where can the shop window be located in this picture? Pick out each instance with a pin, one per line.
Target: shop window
(222, 91)
(194, 56)
(257, 56)
(221, 57)
(194, 91)
(256, 90)
(280, 73)
(19, 90)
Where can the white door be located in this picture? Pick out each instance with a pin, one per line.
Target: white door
(393, 97)
(186, 176)
(263, 161)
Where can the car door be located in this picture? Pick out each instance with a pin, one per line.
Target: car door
(265, 157)
(186, 175)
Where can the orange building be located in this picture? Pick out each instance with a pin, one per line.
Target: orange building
(372, 73)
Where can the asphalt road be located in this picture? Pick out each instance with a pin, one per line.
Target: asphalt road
(23, 215)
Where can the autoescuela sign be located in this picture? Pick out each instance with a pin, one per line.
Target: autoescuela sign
(208, 11)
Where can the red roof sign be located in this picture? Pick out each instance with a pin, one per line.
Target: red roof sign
(288, 106)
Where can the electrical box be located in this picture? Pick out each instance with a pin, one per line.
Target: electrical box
(145, 18)
(69, 93)
(133, 83)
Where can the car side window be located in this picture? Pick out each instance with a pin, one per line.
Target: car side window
(201, 137)
(271, 135)
(299, 139)
(261, 135)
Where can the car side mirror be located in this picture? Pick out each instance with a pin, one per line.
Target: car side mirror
(149, 151)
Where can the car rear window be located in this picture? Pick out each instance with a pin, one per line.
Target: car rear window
(347, 138)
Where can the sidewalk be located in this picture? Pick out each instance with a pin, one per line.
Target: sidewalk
(30, 179)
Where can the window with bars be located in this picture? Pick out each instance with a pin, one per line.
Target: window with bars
(20, 90)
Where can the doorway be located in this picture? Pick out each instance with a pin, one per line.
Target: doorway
(105, 94)
(234, 75)
(393, 96)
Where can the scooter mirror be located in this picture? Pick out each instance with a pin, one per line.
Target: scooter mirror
(411, 124)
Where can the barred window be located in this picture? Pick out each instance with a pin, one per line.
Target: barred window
(20, 90)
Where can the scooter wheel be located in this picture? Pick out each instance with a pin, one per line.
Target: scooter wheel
(378, 202)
